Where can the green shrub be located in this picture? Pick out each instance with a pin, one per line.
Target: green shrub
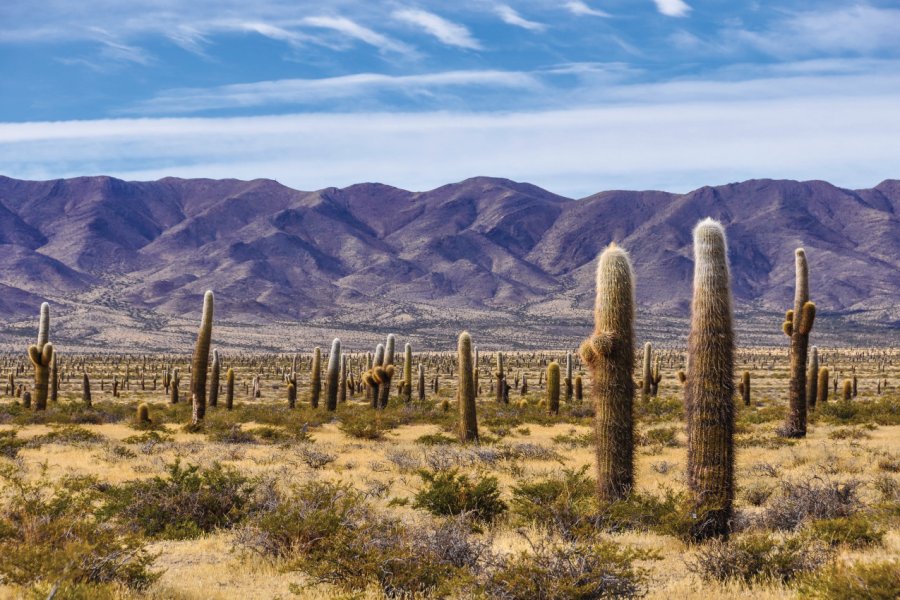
(660, 436)
(451, 493)
(233, 435)
(657, 409)
(10, 444)
(848, 433)
(568, 571)
(66, 434)
(147, 436)
(758, 557)
(363, 430)
(187, 502)
(328, 531)
(563, 504)
(863, 581)
(641, 511)
(51, 532)
(856, 531)
(436, 439)
(883, 411)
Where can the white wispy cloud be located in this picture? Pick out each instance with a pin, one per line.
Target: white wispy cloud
(511, 17)
(673, 8)
(448, 32)
(666, 137)
(357, 31)
(577, 7)
(310, 91)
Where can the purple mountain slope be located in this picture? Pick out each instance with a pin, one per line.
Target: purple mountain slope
(271, 252)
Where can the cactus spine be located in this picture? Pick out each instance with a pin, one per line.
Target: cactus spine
(798, 323)
(609, 355)
(315, 378)
(200, 362)
(407, 373)
(214, 379)
(229, 389)
(468, 422)
(41, 355)
(553, 388)
(709, 389)
(333, 375)
(812, 379)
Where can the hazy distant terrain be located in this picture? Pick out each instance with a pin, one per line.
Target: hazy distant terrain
(124, 264)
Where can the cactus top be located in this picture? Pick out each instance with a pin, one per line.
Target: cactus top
(379, 355)
(335, 356)
(614, 308)
(44, 326)
(389, 350)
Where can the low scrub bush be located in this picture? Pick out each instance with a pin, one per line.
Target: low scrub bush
(568, 570)
(757, 558)
(185, 503)
(51, 532)
(10, 444)
(809, 499)
(450, 493)
(856, 531)
(563, 504)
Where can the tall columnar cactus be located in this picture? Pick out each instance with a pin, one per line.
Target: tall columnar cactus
(86, 390)
(342, 382)
(609, 355)
(389, 349)
(200, 362)
(569, 381)
(333, 375)
(646, 382)
(229, 389)
(41, 355)
(812, 379)
(54, 378)
(214, 379)
(848, 390)
(822, 396)
(143, 414)
(421, 382)
(709, 389)
(745, 388)
(797, 324)
(553, 388)
(579, 389)
(407, 373)
(315, 378)
(500, 376)
(174, 384)
(468, 421)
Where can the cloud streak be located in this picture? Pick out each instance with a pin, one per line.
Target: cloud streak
(579, 8)
(449, 33)
(310, 91)
(511, 17)
(673, 8)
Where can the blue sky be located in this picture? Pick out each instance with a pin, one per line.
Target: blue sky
(576, 96)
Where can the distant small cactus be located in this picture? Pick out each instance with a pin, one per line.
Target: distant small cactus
(143, 413)
(468, 421)
(553, 388)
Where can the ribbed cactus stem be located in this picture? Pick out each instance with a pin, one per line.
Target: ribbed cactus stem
(847, 390)
(315, 378)
(709, 389)
(342, 381)
(553, 388)
(143, 413)
(333, 375)
(569, 382)
(468, 422)
(41, 356)
(229, 389)
(407, 373)
(214, 379)
(54, 378)
(86, 389)
(798, 323)
(421, 382)
(745, 388)
(389, 349)
(812, 379)
(500, 376)
(173, 386)
(647, 380)
(609, 355)
(822, 396)
(200, 362)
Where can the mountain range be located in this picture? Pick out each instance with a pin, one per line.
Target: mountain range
(507, 257)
